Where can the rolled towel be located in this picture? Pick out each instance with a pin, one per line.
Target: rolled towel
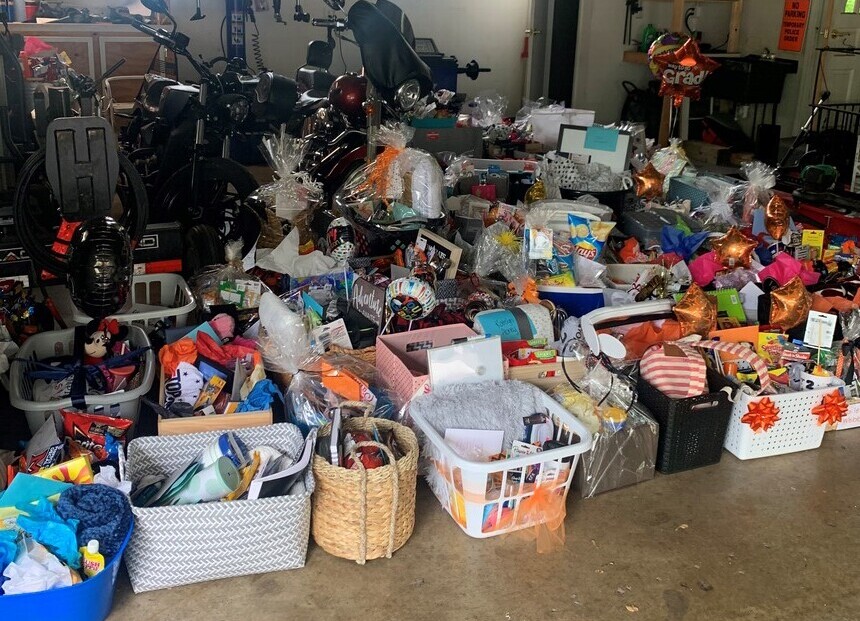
(103, 512)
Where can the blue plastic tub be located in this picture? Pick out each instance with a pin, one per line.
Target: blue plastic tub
(577, 301)
(91, 600)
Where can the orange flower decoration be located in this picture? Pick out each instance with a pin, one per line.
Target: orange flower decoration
(761, 415)
(832, 410)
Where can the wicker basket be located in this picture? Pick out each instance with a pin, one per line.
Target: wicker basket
(367, 354)
(366, 514)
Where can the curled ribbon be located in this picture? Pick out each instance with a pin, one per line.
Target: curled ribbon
(832, 409)
(378, 179)
(761, 415)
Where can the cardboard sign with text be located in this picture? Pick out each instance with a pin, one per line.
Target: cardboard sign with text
(795, 14)
(369, 300)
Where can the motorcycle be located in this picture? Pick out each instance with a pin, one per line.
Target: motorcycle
(197, 124)
(340, 129)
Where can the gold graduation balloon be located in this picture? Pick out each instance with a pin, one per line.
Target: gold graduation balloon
(776, 217)
(649, 182)
(790, 304)
(696, 312)
(734, 248)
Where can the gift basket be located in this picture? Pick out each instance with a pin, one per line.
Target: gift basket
(392, 197)
(217, 505)
(103, 368)
(506, 471)
(365, 470)
(67, 520)
(213, 378)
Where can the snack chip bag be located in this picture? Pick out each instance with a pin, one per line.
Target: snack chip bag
(588, 236)
(94, 433)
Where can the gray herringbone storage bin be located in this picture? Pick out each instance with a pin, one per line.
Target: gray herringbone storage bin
(172, 546)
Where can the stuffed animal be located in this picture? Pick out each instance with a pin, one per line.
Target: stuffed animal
(101, 336)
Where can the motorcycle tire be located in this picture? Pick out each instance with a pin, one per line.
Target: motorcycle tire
(173, 199)
(202, 247)
(29, 222)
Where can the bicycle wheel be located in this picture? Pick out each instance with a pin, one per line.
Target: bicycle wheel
(39, 219)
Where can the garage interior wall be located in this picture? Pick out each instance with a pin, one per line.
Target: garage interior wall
(600, 70)
(490, 31)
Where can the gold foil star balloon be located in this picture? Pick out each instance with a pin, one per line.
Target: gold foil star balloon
(776, 217)
(790, 304)
(649, 182)
(734, 248)
(696, 312)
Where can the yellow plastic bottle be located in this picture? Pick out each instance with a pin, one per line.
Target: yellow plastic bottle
(92, 562)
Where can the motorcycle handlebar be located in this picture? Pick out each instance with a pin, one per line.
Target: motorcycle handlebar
(337, 24)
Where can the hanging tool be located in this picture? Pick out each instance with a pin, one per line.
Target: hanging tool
(300, 15)
(198, 15)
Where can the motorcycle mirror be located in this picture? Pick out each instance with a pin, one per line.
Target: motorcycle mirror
(156, 6)
(335, 5)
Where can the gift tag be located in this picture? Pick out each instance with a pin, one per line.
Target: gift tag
(820, 328)
(540, 243)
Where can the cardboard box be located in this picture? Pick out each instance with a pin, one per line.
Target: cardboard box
(704, 153)
(402, 358)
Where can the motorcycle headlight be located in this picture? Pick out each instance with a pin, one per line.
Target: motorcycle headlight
(408, 94)
(239, 110)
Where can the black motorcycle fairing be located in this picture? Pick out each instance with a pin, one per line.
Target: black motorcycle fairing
(174, 100)
(388, 59)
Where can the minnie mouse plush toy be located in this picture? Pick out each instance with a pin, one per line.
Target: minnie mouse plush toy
(101, 336)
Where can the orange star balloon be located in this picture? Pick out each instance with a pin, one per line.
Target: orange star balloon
(790, 304)
(761, 415)
(832, 409)
(696, 312)
(649, 182)
(776, 217)
(734, 248)
(682, 72)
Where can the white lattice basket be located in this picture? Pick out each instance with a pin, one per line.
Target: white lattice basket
(796, 430)
(177, 545)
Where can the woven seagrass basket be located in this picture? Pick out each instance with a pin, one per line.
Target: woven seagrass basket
(366, 514)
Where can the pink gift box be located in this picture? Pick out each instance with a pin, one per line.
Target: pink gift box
(401, 359)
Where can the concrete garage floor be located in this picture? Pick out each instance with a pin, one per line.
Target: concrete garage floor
(768, 539)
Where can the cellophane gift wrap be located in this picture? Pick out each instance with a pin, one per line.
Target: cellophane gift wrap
(293, 192)
(400, 184)
(617, 458)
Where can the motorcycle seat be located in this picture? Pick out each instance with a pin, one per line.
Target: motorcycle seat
(308, 103)
(313, 78)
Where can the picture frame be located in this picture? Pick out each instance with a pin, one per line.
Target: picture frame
(434, 245)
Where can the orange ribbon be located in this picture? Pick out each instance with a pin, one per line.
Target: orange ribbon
(379, 175)
(832, 409)
(546, 509)
(761, 415)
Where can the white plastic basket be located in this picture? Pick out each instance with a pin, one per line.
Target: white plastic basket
(154, 298)
(122, 404)
(796, 430)
(482, 497)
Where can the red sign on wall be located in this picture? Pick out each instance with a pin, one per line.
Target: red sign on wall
(794, 18)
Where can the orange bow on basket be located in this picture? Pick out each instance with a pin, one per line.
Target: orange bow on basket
(761, 415)
(545, 508)
(832, 409)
